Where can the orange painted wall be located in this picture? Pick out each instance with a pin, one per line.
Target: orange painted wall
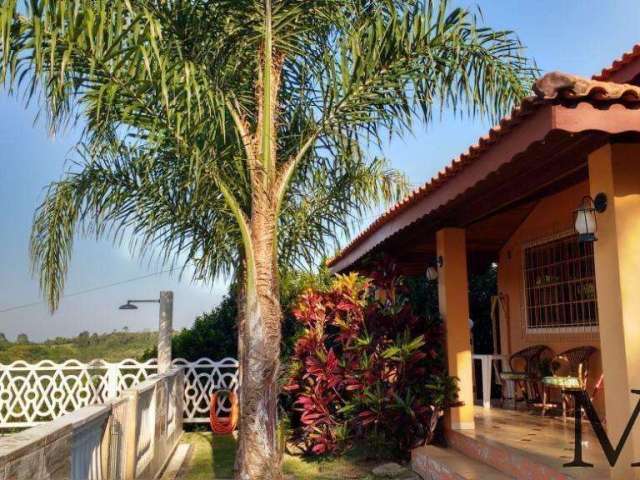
(551, 216)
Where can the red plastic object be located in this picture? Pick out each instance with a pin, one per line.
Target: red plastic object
(223, 425)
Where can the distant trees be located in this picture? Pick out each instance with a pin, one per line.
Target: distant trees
(113, 347)
(83, 339)
(57, 341)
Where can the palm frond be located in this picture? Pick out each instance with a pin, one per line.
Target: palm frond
(171, 99)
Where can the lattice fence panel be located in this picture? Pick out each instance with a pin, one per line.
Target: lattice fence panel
(201, 379)
(35, 393)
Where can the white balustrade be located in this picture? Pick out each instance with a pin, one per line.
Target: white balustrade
(86, 447)
(31, 394)
(121, 419)
(146, 430)
(125, 438)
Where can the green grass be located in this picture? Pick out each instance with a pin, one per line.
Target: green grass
(213, 457)
(345, 467)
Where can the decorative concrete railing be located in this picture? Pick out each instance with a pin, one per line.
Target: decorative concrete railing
(129, 438)
(31, 394)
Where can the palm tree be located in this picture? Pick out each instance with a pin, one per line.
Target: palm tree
(227, 133)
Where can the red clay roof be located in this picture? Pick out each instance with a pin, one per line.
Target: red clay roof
(551, 88)
(572, 87)
(619, 63)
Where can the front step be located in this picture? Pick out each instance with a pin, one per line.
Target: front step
(510, 461)
(436, 463)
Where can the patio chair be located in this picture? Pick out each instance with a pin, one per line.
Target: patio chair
(570, 372)
(526, 372)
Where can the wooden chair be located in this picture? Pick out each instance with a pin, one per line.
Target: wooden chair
(570, 372)
(526, 372)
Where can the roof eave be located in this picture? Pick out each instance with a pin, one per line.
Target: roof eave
(535, 128)
(622, 70)
(581, 117)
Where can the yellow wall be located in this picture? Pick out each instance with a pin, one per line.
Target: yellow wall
(454, 307)
(552, 215)
(613, 171)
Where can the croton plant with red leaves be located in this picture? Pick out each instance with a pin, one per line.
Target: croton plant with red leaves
(366, 367)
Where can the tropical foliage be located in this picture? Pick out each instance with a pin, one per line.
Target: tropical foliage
(366, 366)
(212, 335)
(233, 135)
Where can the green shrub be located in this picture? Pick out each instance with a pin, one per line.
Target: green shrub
(213, 335)
(366, 368)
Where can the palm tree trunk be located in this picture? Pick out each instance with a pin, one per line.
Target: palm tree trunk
(259, 455)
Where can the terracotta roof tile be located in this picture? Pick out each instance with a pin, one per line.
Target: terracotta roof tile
(551, 88)
(619, 63)
(563, 85)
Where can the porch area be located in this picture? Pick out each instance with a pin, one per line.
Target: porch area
(509, 444)
(550, 199)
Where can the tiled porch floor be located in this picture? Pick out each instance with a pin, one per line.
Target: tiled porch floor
(543, 440)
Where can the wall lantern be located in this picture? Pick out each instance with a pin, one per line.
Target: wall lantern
(432, 274)
(585, 217)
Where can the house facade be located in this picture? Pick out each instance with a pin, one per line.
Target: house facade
(552, 196)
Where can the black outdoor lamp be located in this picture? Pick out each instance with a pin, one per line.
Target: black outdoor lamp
(585, 222)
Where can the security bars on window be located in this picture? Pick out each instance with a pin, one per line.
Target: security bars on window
(560, 287)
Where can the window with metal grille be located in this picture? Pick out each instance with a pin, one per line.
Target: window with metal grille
(560, 285)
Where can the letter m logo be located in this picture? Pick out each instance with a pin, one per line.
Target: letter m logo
(582, 401)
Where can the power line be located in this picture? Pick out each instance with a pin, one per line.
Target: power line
(89, 290)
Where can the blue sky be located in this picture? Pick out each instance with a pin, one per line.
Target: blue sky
(578, 37)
